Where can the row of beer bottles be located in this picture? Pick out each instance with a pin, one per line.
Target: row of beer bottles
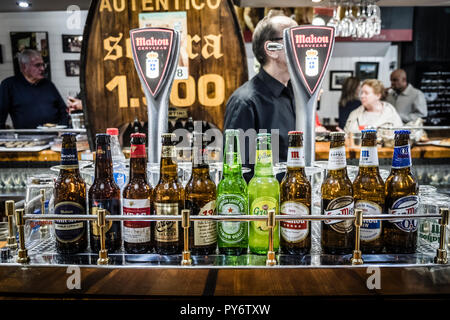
(167, 198)
(264, 193)
(398, 195)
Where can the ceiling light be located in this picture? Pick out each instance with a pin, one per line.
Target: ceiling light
(24, 4)
(316, 1)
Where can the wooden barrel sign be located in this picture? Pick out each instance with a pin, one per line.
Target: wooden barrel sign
(212, 60)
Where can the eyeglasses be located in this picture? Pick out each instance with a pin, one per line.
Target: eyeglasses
(275, 46)
(38, 65)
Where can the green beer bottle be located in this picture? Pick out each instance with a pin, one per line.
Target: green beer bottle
(232, 199)
(263, 195)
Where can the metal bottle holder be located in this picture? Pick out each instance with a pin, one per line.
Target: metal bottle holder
(155, 55)
(271, 218)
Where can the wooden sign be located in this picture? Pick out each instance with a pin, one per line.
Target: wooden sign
(212, 47)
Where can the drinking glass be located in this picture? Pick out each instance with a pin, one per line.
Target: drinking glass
(374, 14)
(347, 24)
(334, 20)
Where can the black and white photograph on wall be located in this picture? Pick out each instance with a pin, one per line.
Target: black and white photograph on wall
(367, 70)
(337, 79)
(72, 43)
(30, 40)
(72, 68)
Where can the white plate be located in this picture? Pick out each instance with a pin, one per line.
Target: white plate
(52, 128)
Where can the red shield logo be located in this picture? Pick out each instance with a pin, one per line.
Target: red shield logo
(311, 47)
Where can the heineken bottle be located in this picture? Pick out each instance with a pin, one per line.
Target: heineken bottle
(232, 199)
(263, 195)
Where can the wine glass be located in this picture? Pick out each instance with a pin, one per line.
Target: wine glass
(374, 13)
(348, 22)
(334, 20)
(363, 23)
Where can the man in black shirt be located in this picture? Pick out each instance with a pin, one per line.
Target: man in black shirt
(29, 98)
(266, 101)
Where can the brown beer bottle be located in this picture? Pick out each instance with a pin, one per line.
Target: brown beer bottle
(338, 236)
(401, 197)
(201, 201)
(295, 198)
(168, 199)
(137, 195)
(104, 194)
(368, 192)
(70, 199)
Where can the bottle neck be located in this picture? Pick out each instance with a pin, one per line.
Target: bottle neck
(263, 165)
(168, 167)
(232, 163)
(103, 162)
(138, 162)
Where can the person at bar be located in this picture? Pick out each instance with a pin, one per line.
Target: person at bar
(349, 100)
(267, 100)
(29, 98)
(372, 112)
(409, 102)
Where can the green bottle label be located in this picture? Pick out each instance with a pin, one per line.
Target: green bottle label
(261, 206)
(231, 204)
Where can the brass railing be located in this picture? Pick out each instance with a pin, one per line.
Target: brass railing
(185, 218)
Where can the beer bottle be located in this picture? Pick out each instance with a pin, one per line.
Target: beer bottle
(232, 199)
(401, 197)
(368, 193)
(136, 199)
(104, 194)
(295, 198)
(200, 194)
(338, 236)
(70, 199)
(263, 195)
(168, 199)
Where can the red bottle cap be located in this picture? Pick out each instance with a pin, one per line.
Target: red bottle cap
(112, 131)
(138, 135)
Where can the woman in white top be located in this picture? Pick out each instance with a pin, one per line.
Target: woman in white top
(373, 112)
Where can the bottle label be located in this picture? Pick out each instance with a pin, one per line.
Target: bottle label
(166, 231)
(342, 206)
(205, 232)
(264, 156)
(136, 231)
(261, 206)
(69, 230)
(370, 229)
(296, 157)
(337, 159)
(168, 152)
(69, 158)
(138, 151)
(120, 179)
(405, 206)
(402, 157)
(112, 207)
(295, 230)
(229, 205)
(368, 157)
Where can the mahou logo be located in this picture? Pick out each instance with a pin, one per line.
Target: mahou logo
(152, 48)
(312, 47)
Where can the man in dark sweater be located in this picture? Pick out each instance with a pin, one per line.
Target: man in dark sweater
(29, 98)
(265, 102)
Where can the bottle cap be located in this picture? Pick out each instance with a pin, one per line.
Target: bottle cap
(402, 132)
(138, 135)
(369, 130)
(112, 131)
(68, 134)
(337, 134)
(295, 132)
